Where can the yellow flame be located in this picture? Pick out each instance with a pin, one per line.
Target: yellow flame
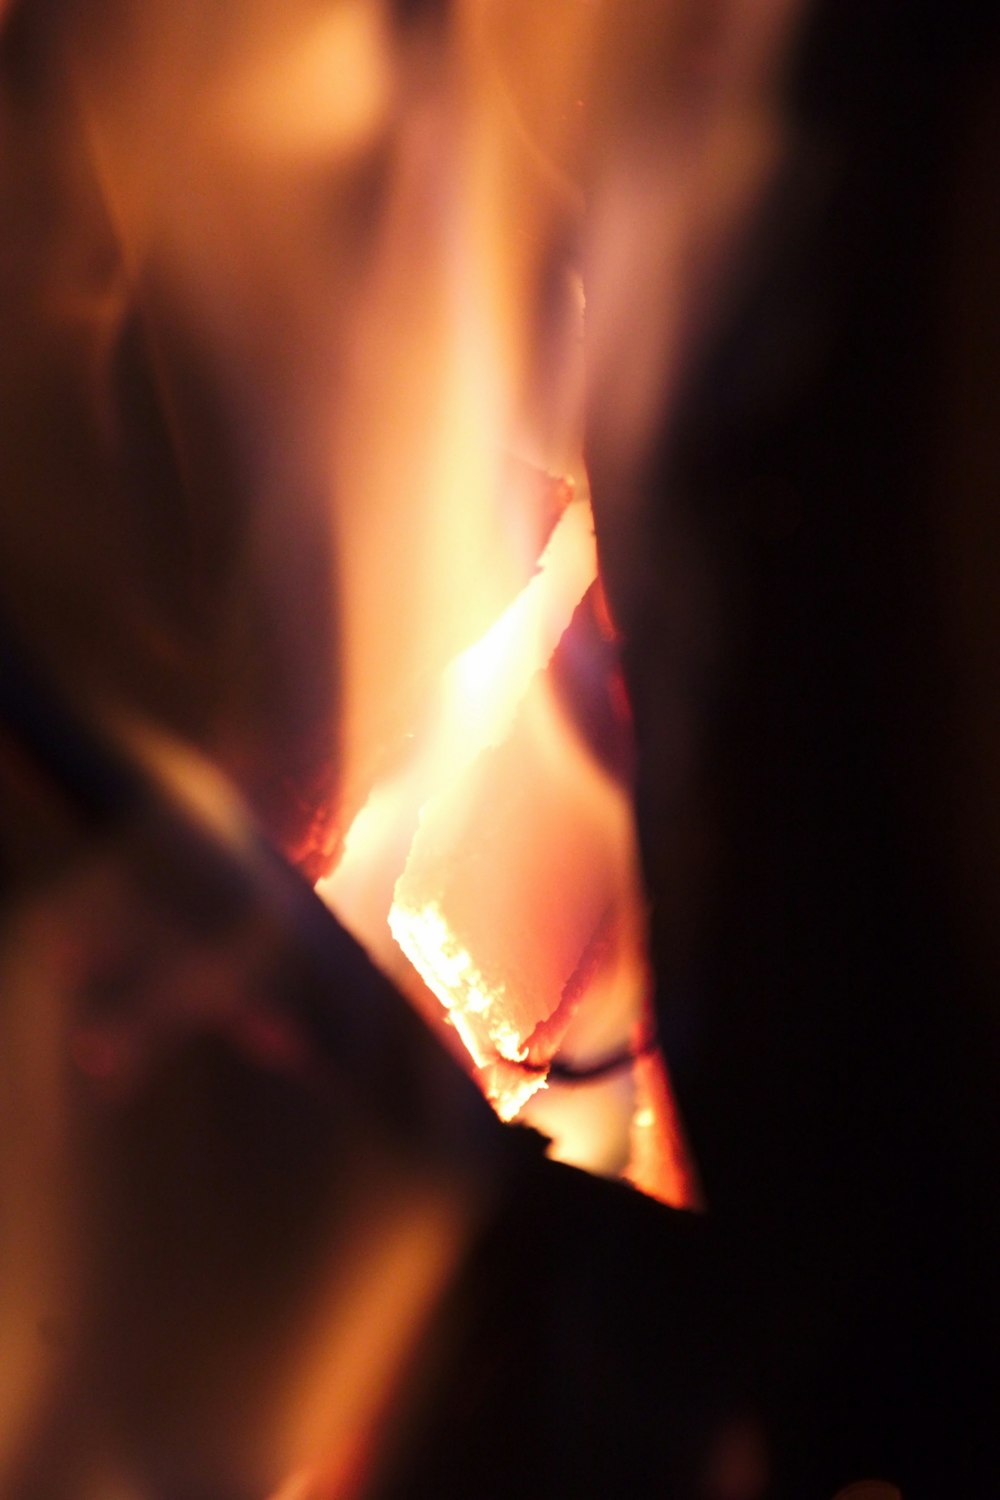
(344, 1406)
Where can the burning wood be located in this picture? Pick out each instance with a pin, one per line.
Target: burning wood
(294, 282)
(518, 864)
(507, 870)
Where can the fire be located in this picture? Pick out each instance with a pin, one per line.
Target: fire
(514, 895)
(489, 859)
(338, 250)
(406, 321)
(475, 1007)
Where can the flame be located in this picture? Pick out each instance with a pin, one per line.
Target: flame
(362, 233)
(344, 1407)
(405, 321)
(501, 863)
(486, 847)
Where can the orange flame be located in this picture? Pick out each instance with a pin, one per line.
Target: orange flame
(514, 890)
(405, 316)
(488, 848)
(369, 233)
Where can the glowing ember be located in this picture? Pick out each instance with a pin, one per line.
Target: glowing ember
(518, 859)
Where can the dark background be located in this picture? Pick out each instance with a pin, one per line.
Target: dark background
(824, 864)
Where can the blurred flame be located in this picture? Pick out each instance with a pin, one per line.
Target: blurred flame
(361, 224)
(465, 347)
(342, 1408)
(38, 1250)
(322, 89)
